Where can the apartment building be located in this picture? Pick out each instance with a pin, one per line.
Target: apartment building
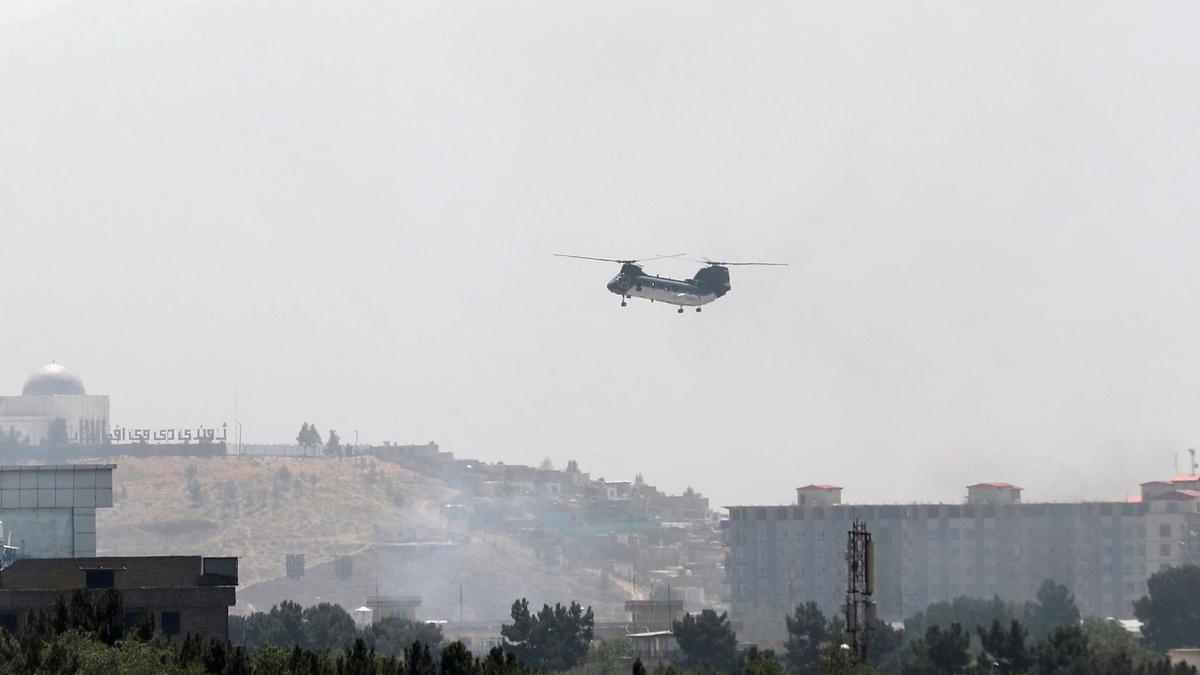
(991, 544)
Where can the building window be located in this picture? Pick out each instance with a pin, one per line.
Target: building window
(1164, 550)
(1164, 530)
(170, 623)
(99, 578)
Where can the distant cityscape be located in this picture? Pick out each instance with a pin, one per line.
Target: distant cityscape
(646, 557)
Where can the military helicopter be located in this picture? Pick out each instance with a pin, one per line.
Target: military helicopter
(708, 284)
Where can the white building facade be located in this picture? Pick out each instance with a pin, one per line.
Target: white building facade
(52, 393)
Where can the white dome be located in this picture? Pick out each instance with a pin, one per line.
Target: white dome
(53, 379)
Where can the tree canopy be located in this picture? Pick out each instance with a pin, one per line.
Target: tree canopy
(1170, 612)
(333, 446)
(707, 638)
(1055, 607)
(556, 638)
(807, 634)
(308, 438)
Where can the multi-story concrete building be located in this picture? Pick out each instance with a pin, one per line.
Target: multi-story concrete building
(184, 594)
(50, 511)
(992, 544)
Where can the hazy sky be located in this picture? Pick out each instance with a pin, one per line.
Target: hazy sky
(346, 211)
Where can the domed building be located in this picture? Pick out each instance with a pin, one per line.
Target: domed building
(52, 393)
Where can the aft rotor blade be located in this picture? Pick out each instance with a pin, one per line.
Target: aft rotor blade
(706, 261)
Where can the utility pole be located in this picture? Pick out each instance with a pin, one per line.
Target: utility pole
(1192, 452)
(460, 604)
(860, 608)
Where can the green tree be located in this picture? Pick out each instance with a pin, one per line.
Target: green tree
(419, 660)
(944, 652)
(969, 612)
(838, 660)
(1169, 612)
(394, 635)
(500, 662)
(556, 638)
(608, 656)
(807, 635)
(1055, 607)
(283, 625)
(458, 660)
(333, 446)
(110, 617)
(56, 433)
(1004, 650)
(638, 668)
(707, 638)
(1064, 652)
(328, 626)
(309, 438)
(760, 662)
(885, 647)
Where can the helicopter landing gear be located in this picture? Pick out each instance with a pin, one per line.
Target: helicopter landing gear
(680, 310)
(623, 303)
(697, 310)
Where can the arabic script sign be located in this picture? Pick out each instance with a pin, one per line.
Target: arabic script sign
(199, 434)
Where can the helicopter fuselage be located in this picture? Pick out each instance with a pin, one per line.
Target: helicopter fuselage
(686, 293)
(707, 284)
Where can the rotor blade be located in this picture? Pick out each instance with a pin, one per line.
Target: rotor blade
(585, 257)
(660, 257)
(707, 261)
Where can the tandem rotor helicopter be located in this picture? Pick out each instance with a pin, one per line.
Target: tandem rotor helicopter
(708, 284)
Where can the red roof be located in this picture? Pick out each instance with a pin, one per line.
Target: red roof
(1185, 478)
(995, 485)
(821, 486)
(1133, 499)
(1156, 482)
(1176, 495)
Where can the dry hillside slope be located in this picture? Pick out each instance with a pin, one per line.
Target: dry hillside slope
(262, 508)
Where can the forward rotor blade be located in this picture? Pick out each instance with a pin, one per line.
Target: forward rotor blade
(660, 257)
(586, 257)
(637, 260)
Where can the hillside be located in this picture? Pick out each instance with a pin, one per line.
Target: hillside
(262, 508)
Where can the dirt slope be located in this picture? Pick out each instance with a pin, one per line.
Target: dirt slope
(260, 509)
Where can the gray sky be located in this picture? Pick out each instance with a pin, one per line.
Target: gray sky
(347, 210)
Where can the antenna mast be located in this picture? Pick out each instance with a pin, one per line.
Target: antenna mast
(860, 608)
